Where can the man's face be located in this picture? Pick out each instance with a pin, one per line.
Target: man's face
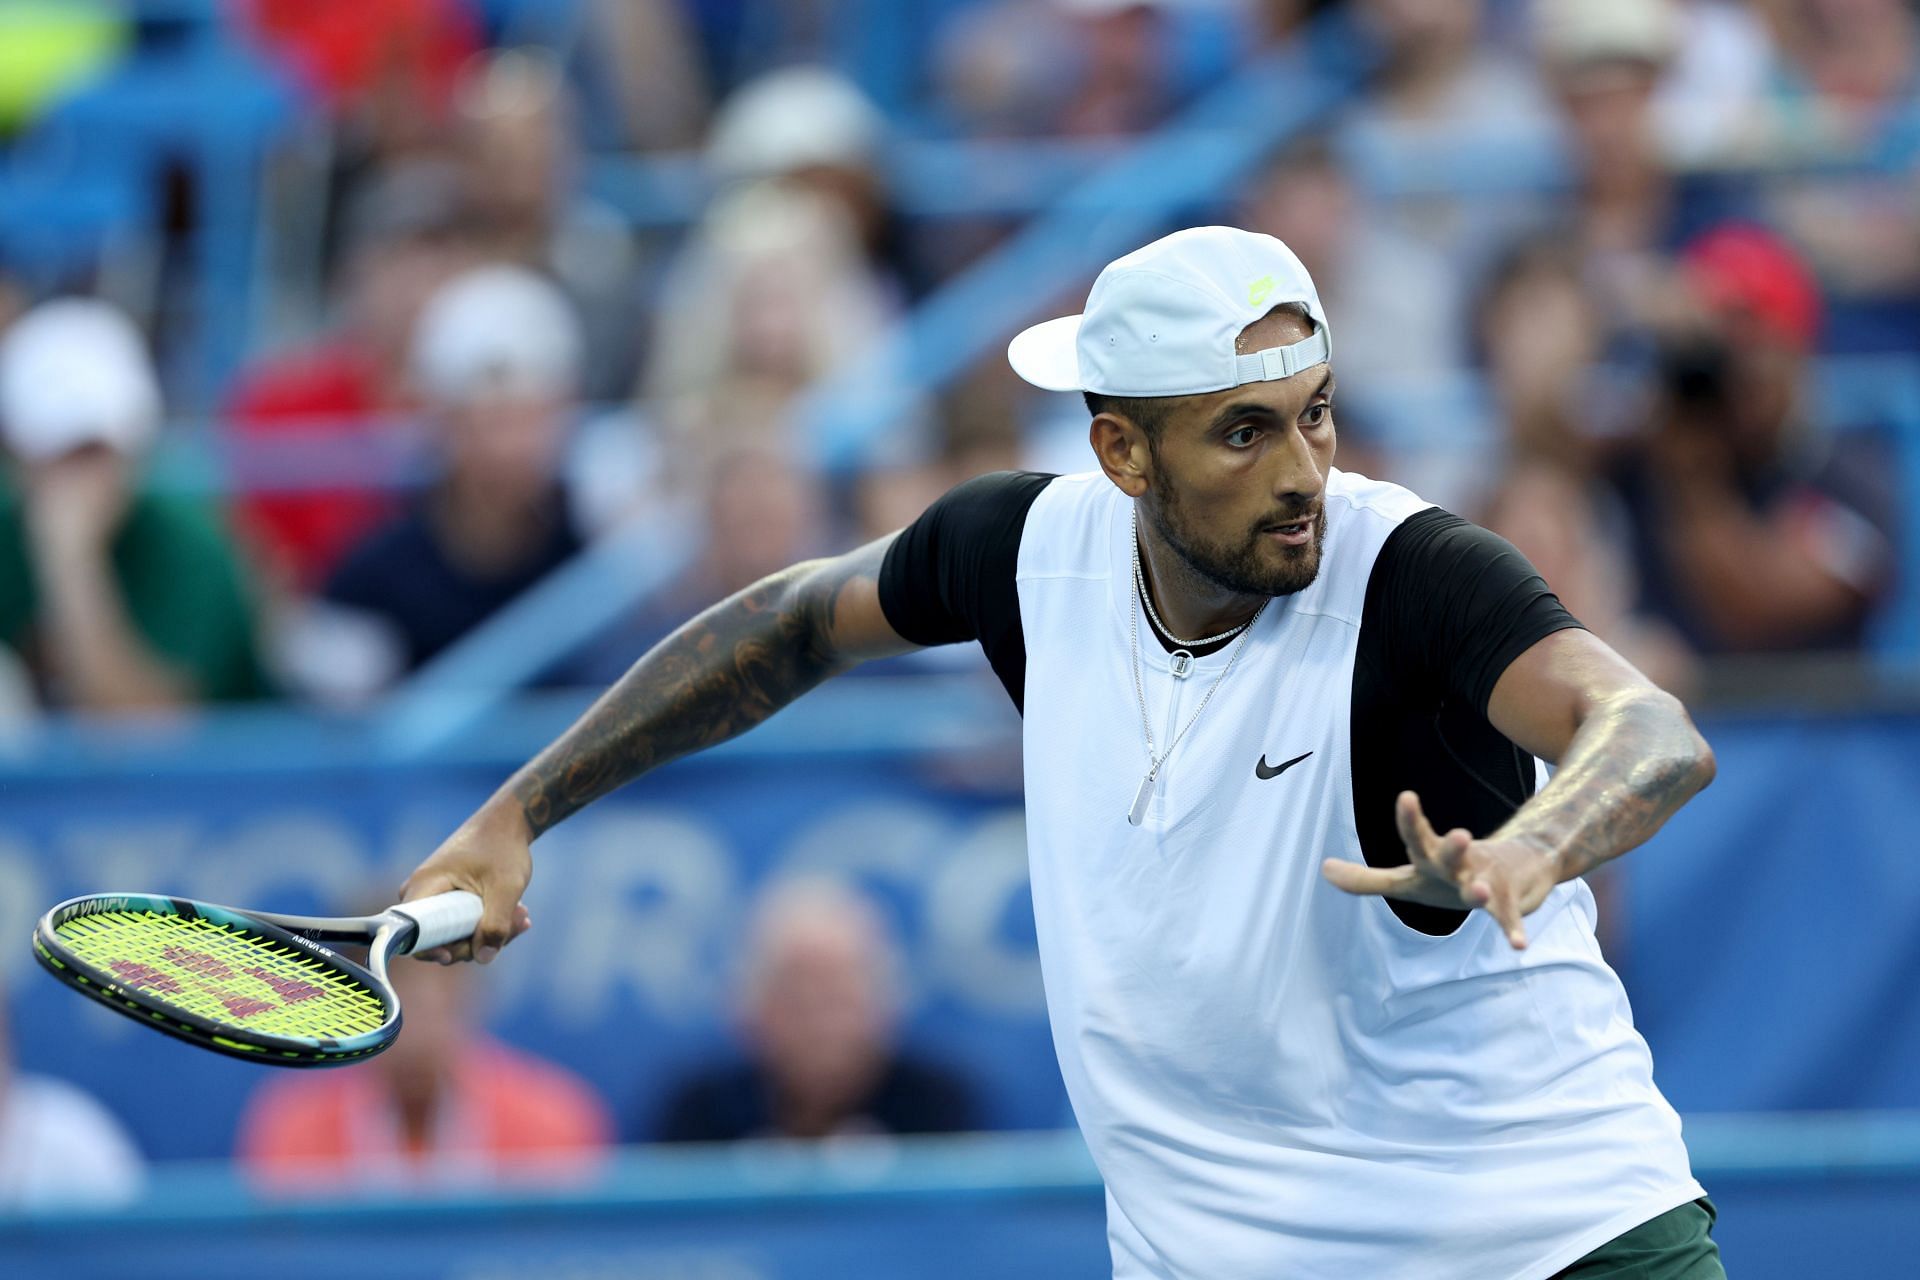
(506, 443)
(1239, 475)
(1608, 107)
(817, 1019)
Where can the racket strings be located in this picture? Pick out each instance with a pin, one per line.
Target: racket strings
(224, 974)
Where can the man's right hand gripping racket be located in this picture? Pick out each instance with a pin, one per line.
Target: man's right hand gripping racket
(250, 984)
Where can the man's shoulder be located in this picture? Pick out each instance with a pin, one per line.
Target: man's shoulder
(1069, 527)
(166, 535)
(398, 551)
(1379, 502)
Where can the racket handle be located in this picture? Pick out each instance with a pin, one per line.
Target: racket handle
(443, 918)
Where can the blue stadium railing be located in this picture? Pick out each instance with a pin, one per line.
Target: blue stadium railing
(1014, 1205)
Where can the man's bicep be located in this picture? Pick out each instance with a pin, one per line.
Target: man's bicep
(854, 627)
(1547, 692)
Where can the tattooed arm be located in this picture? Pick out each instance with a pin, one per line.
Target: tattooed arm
(713, 679)
(1628, 758)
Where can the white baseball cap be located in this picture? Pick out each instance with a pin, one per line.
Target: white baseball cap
(1163, 320)
(75, 372)
(794, 118)
(1571, 32)
(497, 329)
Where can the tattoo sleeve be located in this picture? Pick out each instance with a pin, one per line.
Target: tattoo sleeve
(713, 679)
(1634, 761)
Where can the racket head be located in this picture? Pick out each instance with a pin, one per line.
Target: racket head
(218, 978)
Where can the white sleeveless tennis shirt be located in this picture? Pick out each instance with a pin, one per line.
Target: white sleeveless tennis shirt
(1279, 1081)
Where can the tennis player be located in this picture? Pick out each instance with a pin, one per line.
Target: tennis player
(1319, 961)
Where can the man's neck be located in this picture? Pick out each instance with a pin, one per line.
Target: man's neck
(487, 536)
(1189, 605)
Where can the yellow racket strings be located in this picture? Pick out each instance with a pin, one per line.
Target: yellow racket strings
(224, 974)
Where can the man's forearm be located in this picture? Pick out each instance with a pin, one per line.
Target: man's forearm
(1634, 761)
(713, 679)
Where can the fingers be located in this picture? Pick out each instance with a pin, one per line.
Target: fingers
(1352, 877)
(1422, 841)
(503, 920)
(1415, 831)
(1496, 897)
(457, 952)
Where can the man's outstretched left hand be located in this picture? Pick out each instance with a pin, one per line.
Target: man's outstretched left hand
(1507, 878)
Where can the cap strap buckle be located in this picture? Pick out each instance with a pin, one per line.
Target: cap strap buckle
(1275, 363)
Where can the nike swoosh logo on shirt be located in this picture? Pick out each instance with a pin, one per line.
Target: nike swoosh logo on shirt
(1263, 770)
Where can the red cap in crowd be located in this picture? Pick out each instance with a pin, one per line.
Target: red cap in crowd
(1742, 269)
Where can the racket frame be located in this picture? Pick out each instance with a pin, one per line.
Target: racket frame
(384, 935)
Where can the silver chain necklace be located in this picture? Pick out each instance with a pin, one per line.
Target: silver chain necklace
(1138, 812)
(1140, 585)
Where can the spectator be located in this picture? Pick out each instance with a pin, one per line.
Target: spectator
(445, 1103)
(497, 360)
(812, 130)
(383, 71)
(1125, 85)
(1441, 86)
(408, 233)
(58, 1147)
(1846, 83)
(1753, 532)
(386, 67)
(1396, 298)
(998, 66)
(1849, 63)
(770, 296)
(1540, 335)
(762, 513)
(515, 133)
(1630, 211)
(819, 1014)
(117, 599)
(650, 54)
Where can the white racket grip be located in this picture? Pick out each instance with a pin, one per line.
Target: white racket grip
(443, 918)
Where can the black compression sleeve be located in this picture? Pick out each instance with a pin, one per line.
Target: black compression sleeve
(1457, 605)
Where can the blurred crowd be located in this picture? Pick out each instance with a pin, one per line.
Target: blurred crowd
(1589, 264)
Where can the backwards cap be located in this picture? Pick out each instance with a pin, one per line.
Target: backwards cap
(1162, 321)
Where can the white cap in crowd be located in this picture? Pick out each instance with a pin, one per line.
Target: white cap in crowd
(497, 329)
(792, 119)
(1588, 31)
(1163, 320)
(75, 372)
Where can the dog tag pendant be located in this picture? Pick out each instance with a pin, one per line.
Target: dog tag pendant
(1138, 813)
(1182, 663)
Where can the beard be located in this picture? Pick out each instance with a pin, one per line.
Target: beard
(1243, 565)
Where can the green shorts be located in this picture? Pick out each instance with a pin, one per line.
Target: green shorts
(1677, 1245)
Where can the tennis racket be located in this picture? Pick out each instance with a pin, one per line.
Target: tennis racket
(249, 984)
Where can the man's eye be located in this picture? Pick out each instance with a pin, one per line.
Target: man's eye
(1241, 437)
(1317, 414)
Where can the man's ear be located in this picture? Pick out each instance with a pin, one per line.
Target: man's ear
(1122, 450)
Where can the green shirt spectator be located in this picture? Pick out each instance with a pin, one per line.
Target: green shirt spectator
(182, 585)
(119, 600)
